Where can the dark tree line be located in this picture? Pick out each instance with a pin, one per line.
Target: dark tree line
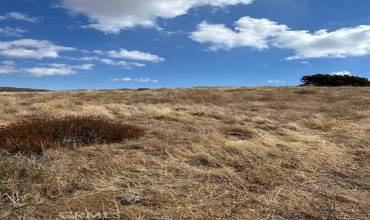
(334, 80)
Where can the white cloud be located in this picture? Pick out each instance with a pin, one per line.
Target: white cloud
(57, 65)
(122, 58)
(108, 61)
(121, 63)
(134, 55)
(15, 32)
(7, 66)
(141, 80)
(274, 81)
(57, 70)
(50, 71)
(19, 16)
(342, 73)
(98, 52)
(8, 62)
(88, 66)
(112, 16)
(7, 69)
(305, 62)
(339, 73)
(31, 49)
(248, 32)
(264, 34)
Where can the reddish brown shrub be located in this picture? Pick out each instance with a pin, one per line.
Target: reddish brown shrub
(36, 135)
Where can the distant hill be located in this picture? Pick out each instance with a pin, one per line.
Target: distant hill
(13, 89)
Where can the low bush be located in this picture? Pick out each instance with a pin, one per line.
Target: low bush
(33, 136)
(334, 80)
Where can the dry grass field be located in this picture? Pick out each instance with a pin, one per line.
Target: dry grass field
(222, 153)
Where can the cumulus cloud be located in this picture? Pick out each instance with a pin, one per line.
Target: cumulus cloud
(248, 32)
(135, 55)
(57, 69)
(141, 80)
(264, 34)
(14, 32)
(19, 16)
(31, 49)
(112, 16)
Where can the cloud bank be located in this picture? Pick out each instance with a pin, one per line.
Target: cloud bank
(264, 34)
(112, 16)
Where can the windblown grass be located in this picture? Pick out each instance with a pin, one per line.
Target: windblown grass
(215, 153)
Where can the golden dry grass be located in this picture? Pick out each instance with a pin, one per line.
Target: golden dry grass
(35, 135)
(236, 153)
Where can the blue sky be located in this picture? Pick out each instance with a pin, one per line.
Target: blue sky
(95, 44)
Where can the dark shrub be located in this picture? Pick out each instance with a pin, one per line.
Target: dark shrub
(334, 80)
(143, 89)
(305, 92)
(36, 135)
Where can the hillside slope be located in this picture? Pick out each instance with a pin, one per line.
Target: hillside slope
(237, 153)
(14, 89)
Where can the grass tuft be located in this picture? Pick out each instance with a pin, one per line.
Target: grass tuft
(33, 136)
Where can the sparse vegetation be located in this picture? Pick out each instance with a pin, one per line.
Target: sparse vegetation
(237, 153)
(334, 80)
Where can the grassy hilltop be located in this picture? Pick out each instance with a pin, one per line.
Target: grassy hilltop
(225, 153)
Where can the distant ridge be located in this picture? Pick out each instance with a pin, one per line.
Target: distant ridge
(13, 89)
